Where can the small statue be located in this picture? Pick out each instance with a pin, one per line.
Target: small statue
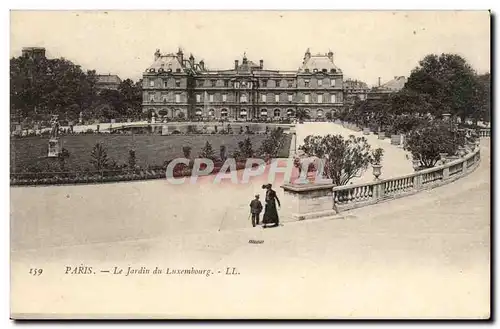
(54, 132)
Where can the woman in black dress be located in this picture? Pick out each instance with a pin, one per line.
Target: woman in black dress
(271, 213)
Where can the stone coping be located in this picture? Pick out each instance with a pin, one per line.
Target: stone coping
(303, 188)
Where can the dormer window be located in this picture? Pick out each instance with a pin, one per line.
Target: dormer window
(324, 70)
(315, 70)
(177, 70)
(306, 70)
(333, 70)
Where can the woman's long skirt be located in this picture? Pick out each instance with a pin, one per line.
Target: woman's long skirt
(271, 214)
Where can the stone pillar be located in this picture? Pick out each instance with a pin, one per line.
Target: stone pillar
(293, 146)
(446, 173)
(417, 182)
(378, 191)
(307, 201)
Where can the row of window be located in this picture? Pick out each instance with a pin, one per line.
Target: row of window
(244, 98)
(244, 112)
(264, 83)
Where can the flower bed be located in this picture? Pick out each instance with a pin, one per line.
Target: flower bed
(107, 176)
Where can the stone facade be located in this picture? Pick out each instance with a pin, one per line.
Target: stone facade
(388, 88)
(355, 90)
(108, 81)
(34, 52)
(248, 91)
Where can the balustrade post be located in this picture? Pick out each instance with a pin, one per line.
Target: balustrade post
(378, 191)
(417, 182)
(446, 173)
(464, 167)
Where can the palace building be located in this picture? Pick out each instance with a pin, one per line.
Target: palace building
(175, 87)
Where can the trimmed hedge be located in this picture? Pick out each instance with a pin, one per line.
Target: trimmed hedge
(64, 178)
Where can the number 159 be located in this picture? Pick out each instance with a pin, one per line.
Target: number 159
(36, 271)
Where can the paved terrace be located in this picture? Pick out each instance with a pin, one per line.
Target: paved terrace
(426, 254)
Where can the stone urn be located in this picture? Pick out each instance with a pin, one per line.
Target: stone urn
(377, 170)
(416, 164)
(381, 135)
(442, 157)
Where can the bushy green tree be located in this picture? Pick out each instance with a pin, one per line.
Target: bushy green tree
(427, 142)
(449, 81)
(343, 158)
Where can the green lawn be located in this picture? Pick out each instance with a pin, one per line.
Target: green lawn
(150, 149)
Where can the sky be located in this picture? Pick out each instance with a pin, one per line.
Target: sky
(366, 44)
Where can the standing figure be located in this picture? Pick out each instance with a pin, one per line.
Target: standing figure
(54, 133)
(271, 212)
(255, 210)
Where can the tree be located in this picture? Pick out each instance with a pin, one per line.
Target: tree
(132, 161)
(427, 142)
(246, 149)
(301, 114)
(63, 156)
(99, 157)
(207, 152)
(271, 146)
(343, 159)
(482, 97)
(131, 97)
(449, 81)
(48, 86)
(403, 124)
(186, 150)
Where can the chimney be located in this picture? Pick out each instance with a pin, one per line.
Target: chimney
(261, 64)
(180, 56)
(157, 54)
(191, 60)
(307, 55)
(236, 63)
(202, 65)
(379, 81)
(330, 55)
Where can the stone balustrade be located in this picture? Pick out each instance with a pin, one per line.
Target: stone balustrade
(485, 132)
(326, 200)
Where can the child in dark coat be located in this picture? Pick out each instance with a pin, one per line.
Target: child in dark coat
(255, 210)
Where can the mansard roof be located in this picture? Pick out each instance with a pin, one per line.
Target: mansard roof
(318, 62)
(166, 62)
(395, 84)
(108, 78)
